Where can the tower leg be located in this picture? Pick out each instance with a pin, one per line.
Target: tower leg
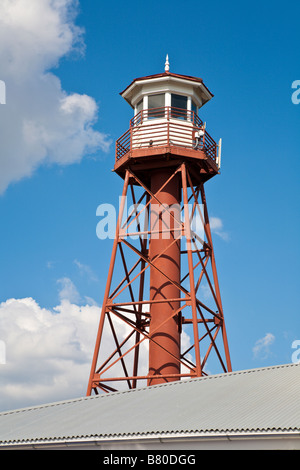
(215, 279)
(108, 285)
(193, 299)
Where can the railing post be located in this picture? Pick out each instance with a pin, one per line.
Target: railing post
(168, 126)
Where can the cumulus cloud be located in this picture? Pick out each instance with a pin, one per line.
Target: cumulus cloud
(68, 290)
(216, 226)
(40, 122)
(46, 354)
(261, 348)
(85, 270)
(48, 351)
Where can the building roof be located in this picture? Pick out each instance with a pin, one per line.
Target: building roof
(257, 400)
(165, 76)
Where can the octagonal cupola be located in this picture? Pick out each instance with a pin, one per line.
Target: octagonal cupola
(165, 120)
(182, 92)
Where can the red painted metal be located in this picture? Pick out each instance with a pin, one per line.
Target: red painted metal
(166, 337)
(162, 315)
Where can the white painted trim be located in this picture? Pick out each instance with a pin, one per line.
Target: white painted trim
(201, 440)
(168, 98)
(163, 84)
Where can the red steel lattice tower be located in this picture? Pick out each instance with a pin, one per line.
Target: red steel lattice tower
(162, 316)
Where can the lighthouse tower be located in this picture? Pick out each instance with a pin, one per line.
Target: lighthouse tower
(162, 317)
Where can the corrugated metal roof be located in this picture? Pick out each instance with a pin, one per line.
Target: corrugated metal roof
(252, 400)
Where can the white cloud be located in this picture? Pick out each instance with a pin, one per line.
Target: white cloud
(68, 290)
(216, 226)
(48, 352)
(205, 291)
(85, 270)
(261, 348)
(41, 123)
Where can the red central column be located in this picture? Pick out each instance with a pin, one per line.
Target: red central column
(167, 335)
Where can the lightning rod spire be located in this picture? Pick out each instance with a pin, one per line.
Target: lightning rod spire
(167, 65)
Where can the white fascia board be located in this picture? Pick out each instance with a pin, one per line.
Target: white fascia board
(164, 84)
(163, 438)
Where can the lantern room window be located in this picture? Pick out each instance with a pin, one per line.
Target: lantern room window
(156, 105)
(139, 106)
(194, 107)
(179, 102)
(164, 105)
(156, 101)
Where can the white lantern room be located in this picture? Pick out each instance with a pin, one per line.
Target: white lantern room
(166, 109)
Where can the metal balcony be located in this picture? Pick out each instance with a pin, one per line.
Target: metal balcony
(167, 127)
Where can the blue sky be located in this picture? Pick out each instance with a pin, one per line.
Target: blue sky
(56, 168)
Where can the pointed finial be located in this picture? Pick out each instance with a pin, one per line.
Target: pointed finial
(167, 65)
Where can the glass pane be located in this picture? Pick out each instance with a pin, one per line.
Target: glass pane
(179, 102)
(154, 102)
(138, 115)
(194, 107)
(139, 106)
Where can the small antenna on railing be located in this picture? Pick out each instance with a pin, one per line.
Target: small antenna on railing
(167, 65)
